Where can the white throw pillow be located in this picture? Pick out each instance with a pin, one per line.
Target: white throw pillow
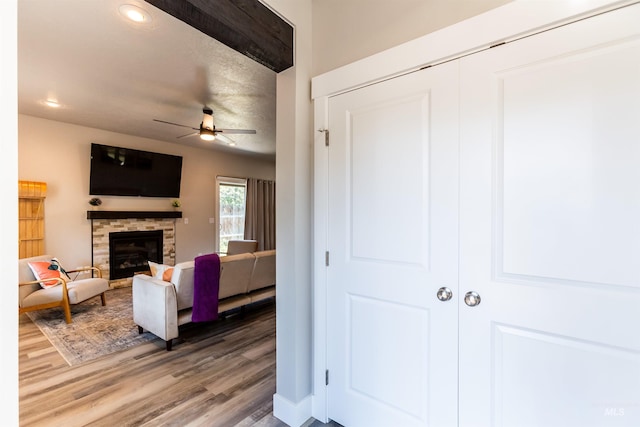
(160, 271)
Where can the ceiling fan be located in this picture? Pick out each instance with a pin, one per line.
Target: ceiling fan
(208, 130)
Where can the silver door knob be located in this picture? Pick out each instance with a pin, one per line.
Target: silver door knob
(444, 294)
(472, 298)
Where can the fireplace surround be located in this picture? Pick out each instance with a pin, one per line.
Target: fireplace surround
(103, 223)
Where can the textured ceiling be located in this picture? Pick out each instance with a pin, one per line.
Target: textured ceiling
(113, 74)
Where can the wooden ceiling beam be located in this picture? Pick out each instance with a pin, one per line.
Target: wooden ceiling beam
(247, 26)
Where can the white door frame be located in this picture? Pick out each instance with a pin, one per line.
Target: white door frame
(506, 23)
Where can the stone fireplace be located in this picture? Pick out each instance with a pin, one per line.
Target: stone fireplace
(107, 225)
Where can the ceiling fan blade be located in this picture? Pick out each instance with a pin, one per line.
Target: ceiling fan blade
(189, 134)
(251, 131)
(175, 124)
(225, 139)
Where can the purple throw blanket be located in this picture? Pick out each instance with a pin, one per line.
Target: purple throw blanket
(206, 283)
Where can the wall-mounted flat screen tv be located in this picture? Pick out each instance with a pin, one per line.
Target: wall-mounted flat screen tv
(117, 171)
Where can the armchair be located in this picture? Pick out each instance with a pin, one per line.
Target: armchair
(32, 296)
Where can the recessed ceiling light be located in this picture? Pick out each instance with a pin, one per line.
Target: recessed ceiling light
(134, 13)
(52, 103)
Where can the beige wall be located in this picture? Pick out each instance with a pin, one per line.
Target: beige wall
(347, 30)
(58, 154)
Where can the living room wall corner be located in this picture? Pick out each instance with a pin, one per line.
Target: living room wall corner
(292, 401)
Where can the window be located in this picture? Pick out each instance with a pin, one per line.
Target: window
(231, 202)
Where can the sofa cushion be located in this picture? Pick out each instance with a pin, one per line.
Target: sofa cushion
(264, 271)
(182, 279)
(83, 289)
(236, 247)
(235, 274)
(42, 296)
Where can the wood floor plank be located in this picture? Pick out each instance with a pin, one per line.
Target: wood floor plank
(218, 374)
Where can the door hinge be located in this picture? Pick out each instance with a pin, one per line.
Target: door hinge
(326, 258)
(326, 136)
(326, 377)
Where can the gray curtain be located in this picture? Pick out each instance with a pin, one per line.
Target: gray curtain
(260, 214)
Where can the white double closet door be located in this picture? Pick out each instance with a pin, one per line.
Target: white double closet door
(510, 177)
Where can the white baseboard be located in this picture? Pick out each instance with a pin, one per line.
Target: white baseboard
(293, 414)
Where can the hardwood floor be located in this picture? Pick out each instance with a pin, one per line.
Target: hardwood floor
(218, 374)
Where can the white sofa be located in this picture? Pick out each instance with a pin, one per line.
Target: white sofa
(161, 307)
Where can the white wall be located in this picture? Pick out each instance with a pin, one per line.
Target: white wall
(58, 154)
(292, 401)
(9, 212)
(345, 31)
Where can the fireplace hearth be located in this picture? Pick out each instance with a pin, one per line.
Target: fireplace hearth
(129, 252)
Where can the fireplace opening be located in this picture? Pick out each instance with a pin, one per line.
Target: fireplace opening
(129, 252)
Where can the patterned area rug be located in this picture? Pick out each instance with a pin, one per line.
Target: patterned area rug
(95, 331)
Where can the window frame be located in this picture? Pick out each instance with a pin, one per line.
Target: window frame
(230, 181)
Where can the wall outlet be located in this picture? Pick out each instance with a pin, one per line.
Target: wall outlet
(212, 220)
(186, 220)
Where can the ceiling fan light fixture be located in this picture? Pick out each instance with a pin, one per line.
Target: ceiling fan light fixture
(207, 119)
(207, 134)
(207, 130)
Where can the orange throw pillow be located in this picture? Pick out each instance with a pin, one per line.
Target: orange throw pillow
(41, 271)
(166, 276)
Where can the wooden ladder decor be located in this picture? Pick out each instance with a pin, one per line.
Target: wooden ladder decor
(31, 195)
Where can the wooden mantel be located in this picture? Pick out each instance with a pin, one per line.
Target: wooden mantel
(132, 214)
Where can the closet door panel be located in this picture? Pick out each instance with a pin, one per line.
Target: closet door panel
(549, 235)
(393, 180)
